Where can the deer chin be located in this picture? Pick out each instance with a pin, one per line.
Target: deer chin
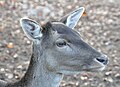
(90, 69)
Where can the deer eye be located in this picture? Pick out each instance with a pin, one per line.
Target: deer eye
(61, 43)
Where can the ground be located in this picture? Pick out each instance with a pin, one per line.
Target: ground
(99, 26)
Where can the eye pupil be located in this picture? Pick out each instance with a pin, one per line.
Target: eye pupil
(61, 44)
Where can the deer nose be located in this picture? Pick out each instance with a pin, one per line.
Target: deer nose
(103, 59)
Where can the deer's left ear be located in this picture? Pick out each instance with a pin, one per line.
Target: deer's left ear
(31, 28)
(71, 19)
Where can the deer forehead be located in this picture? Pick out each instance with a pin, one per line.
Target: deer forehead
(64, 31)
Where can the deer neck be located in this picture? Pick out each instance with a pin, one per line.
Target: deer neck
(37, 74)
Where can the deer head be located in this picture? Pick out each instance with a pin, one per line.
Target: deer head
(62, 47)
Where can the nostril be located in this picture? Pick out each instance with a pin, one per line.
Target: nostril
(102, 59)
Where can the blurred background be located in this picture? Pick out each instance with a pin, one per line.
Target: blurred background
(99, 27)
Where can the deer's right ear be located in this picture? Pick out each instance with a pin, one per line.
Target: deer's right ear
(31, 28)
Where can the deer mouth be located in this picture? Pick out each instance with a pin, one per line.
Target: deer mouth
(95, 69)
(98, 64)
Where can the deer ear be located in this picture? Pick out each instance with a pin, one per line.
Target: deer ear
(71, 19)
(31, 28)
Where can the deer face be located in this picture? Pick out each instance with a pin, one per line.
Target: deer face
(64, 50)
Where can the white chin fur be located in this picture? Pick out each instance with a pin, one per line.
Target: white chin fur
(101, 69)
